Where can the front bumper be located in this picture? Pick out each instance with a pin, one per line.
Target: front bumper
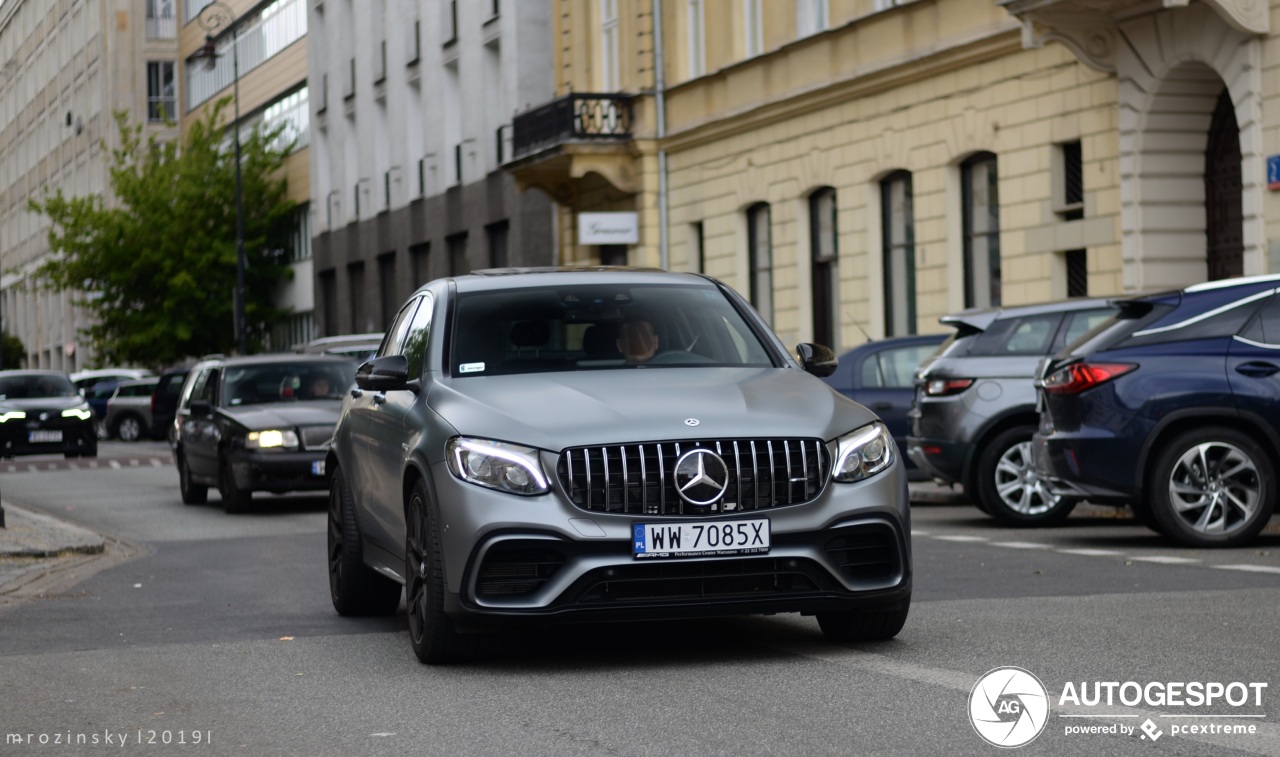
(279, 471)
(510, 558)
(27, 437)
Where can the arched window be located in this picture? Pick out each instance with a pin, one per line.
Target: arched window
(899, 247)
(981, 231)
(825, 279)
(760, 259)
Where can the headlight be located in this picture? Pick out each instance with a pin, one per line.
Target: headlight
(497, 465)
(83, 413)
(11, 415)
(272, 438)
(863, 453)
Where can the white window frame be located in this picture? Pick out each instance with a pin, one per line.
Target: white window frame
(753, 27)
(812, 17)
(609, 46)
(697, 38)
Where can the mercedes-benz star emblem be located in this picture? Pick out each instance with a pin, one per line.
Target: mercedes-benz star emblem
(701, 477)
(691, 421)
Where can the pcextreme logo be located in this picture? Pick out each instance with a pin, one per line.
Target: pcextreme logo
(1008, 707)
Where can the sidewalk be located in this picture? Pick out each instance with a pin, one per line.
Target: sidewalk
(30, 534)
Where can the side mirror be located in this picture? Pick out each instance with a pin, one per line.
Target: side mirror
(818, 359)
(201, 409)
(384, 374)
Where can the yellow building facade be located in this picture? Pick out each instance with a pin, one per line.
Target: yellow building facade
(859, 168)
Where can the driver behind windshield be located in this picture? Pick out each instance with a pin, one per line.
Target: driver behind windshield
(637, 341)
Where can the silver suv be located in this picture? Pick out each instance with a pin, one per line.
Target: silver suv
(607, 444)
(129, 410)
(975, 406)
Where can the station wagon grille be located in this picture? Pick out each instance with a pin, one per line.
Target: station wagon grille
(639, 479)
(316, 437)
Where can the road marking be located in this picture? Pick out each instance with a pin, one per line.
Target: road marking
(1165, 559)
(1091, 552)
(93, 464)
(1248, 568)
(959, 537)
(155, 463)
(919, 533)
(1019, 545)
(115, 464)
(133, 463)
(32, 468)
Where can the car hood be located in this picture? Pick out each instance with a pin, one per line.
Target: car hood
(286, 415)
(31, 404)
(558, 410)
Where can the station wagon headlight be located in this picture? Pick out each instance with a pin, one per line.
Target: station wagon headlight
(863, 453)
(11, 415)
(497, 465)
(82, 413)
(272, 438)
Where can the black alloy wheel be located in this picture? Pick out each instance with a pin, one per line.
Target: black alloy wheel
(432, 634)
(355, 588)
(192, 494)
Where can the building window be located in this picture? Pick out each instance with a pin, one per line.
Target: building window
(609, 45)
(161, 21)
(825, 277)
(811, 17)
(387, 287)
(355, 296)
(760, 260)
(420, 263)
(883, 5)
(300, 235)
(161, 95)
(613, 254)
(497, 233)
(1077, 273)
(753, 27)
(899, 239)
(451, 22)
(1069, 181)
(262, 35)
(981, 231)
(698, 257)
(697, 40)
(458, 263)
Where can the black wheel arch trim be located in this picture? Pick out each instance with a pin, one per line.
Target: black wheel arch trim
(1255, 426)
(1022, 415)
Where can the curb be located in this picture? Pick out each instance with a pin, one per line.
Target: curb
(31, 534)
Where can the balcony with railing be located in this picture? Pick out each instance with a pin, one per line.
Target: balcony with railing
(564, 139)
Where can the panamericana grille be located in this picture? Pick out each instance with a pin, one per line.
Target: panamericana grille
(639, 479)
(316, 437)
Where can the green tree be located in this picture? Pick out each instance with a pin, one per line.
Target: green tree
(13, 354)
(158, 269)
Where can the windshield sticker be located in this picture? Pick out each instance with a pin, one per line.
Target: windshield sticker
(471, 368)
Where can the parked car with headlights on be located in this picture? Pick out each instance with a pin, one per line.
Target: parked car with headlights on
(42, 412)
(610, 444)
(259, 423)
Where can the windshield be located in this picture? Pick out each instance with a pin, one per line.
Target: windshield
(263, 383)
(600, 327)
(36, 385)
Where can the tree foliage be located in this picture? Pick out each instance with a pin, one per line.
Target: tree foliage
(157, 268)
(13, 354)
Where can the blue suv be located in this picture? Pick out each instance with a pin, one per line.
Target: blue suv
(1173, 407)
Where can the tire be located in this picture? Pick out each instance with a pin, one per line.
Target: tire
(192, 494)
(432, 633)
(1212, 487)
(234, 500)
(1008, 488)
(128, 428)
(355, 588)
(100, 429)
(878, 624)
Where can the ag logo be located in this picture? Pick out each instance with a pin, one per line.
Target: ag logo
(1008, 707)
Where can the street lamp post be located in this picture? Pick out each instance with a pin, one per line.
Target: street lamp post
(216, 16)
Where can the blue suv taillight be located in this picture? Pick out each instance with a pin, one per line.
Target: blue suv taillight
(1079, 377)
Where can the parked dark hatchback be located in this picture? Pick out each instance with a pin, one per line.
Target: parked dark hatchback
(607, 444)
(260, 423)
(42, 412)
(975, 406)
(1173, 407)
(880, 375)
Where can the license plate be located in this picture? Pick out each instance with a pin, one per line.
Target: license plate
(317, 467)
(37, 437)
(718, 539)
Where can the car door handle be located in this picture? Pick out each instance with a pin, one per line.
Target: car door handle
(1256, 369)
(882, 406)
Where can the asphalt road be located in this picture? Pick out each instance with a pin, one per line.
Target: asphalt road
(221, 626)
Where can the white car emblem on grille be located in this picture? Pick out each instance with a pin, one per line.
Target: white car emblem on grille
(691, 421)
